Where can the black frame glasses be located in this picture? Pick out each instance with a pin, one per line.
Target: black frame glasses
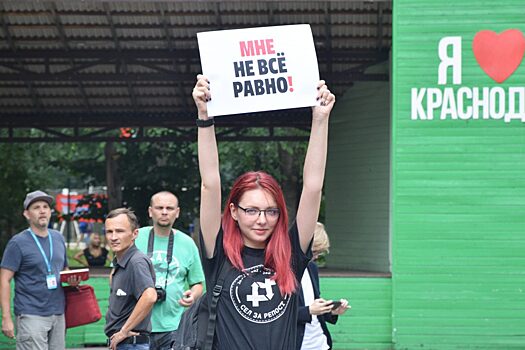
(255, 213)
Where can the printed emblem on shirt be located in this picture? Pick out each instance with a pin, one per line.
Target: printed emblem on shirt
(160, 264)
(256, 296)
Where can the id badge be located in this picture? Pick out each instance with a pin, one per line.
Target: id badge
(51, 282)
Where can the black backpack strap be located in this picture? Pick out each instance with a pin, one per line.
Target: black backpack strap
(216, 293)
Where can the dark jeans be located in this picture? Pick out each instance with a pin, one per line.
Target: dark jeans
(132, 346)
(161, 340)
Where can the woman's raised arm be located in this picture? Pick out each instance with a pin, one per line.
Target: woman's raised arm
(314, 166)
(210, 209)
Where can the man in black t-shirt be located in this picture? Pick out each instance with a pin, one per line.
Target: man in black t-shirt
(95, 254)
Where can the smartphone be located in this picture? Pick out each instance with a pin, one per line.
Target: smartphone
(336, 304)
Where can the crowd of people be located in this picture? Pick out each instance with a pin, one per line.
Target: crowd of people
(271, 296)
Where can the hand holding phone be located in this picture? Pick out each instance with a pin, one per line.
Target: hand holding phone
(336, 304)
(340, 307)
(320, 306)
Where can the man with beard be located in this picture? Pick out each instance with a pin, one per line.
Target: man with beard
(34, 258)
(177, 264)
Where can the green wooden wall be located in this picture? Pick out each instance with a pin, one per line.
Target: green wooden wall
(458, 191)
(357, 177)
(366, 326)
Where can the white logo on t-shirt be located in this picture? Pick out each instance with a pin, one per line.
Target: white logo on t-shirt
(160, 261)
(256, 297)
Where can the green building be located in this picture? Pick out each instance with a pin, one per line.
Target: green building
(433, 170)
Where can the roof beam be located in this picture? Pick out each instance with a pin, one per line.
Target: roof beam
(74, 67)
(193, 54)
(174, 118)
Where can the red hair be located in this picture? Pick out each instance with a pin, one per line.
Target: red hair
(277, 252)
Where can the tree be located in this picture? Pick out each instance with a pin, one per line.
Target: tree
(283, 160)
(138, 170)
(15, 181)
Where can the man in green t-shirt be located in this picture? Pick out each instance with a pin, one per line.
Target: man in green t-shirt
(182, 282)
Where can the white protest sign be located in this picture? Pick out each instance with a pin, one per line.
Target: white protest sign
(259, 69)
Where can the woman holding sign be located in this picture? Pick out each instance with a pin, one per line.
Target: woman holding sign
(258, 306)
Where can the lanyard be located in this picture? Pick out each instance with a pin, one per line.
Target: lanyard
(42, 250)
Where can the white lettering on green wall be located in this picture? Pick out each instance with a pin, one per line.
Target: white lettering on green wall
(453, 61)
(463, 102)
(468, 103)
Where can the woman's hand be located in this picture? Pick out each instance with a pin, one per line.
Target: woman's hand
(201, 95)
(342, 308)
(326, 102)
(320, 306)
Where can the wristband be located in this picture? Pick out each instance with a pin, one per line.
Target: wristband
(204, 123)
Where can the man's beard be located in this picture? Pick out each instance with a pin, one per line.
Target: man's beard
(42, 225)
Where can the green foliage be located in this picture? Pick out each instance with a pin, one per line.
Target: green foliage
(144, 168)
(150, 167)
(282, 160)
(27, 167)
(147, 168)
(13, 186)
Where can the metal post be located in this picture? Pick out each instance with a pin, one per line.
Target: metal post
(68, 218)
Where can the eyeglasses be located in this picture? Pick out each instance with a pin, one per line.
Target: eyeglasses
(270, 213)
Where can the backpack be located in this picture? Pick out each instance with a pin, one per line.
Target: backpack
(197, 325)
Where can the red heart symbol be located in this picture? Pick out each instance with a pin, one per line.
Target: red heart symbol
(499, 55)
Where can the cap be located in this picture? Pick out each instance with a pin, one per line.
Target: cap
(37, 196)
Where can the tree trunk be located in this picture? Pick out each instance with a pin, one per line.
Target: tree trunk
(113, 180)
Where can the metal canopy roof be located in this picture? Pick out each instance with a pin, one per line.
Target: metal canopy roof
(94, 66)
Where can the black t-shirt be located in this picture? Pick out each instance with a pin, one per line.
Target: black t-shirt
(98, 260)
(251, 313)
